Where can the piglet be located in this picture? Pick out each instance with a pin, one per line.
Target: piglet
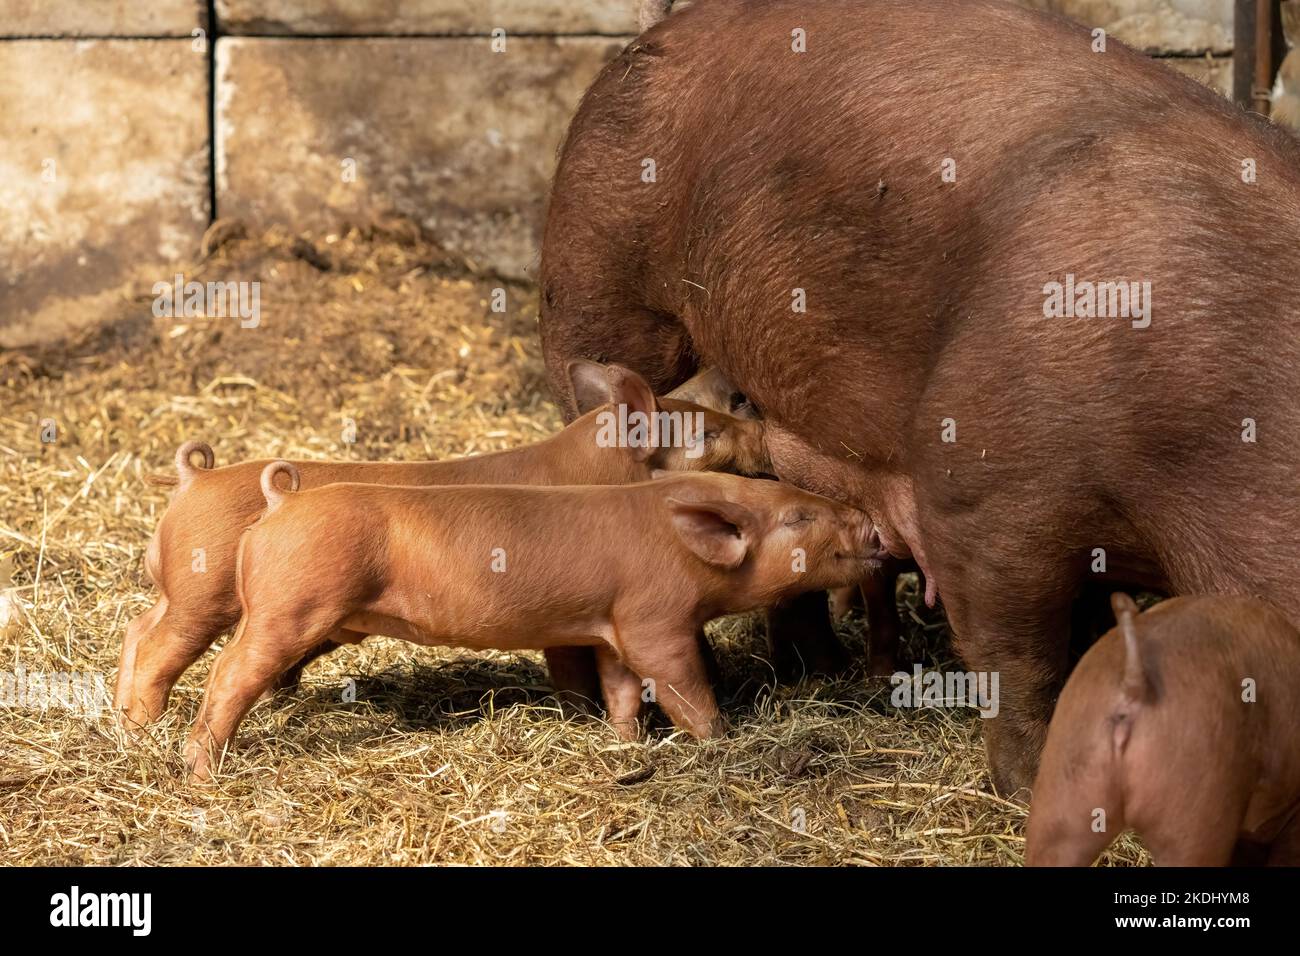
(632, 571)
(1182, 724)
(710, 389)
(800, 638)
(191, 557)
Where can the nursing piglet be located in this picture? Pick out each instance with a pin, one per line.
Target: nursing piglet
(632, 571)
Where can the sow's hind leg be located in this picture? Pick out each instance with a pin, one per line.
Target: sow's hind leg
(1025, 647)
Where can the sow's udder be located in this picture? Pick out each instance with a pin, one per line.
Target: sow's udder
(886, 496)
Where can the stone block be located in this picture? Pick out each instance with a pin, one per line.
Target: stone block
(104, 174)
(463, 140)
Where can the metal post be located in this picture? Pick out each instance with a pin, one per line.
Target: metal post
(1258, 48)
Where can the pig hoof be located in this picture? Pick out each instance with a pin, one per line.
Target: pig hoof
(128, 721)
(198, 765)
(628, 731)
(1011, 781)
(885, 666)
(1012, 750)
(134, 717)
(1021, 795)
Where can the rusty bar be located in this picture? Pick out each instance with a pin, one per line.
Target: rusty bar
(1243, 53)
(1262, 81)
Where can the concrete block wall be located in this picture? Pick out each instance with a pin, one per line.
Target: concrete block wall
(130, 124)
(104, 171)
(1161, 27)
(426, 17)
(102, 18)
(441, 130)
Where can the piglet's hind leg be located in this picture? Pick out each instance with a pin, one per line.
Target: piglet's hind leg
(574, 677)
(257, 655)
(164, 651)
(135, 632)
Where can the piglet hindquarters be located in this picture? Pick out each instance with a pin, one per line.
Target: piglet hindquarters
(1182, 724)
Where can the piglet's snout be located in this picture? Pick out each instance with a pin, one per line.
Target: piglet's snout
(859, 537)
(870, 535)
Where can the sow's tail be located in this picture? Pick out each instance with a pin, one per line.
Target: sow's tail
(273, 494)
(184, 467)
(650, 12)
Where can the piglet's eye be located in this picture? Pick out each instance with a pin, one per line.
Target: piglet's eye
(798, 519)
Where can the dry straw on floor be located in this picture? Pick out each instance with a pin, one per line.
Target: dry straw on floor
(444, 756)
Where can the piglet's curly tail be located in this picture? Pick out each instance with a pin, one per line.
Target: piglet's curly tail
(184, 460)
(274, 496)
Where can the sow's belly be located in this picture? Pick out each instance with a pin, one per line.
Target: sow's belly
(890, 500)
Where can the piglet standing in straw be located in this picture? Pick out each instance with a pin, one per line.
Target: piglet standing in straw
(212, 506)
(632, 571)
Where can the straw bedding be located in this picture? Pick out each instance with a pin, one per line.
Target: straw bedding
(390, 753)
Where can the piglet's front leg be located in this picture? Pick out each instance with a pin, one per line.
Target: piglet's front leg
(622, 690)
(671, 659)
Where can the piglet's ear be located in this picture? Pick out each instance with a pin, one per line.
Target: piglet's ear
(628, 388)
(720, 532)
(590, 382)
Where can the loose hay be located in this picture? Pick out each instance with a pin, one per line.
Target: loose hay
(444, 756)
